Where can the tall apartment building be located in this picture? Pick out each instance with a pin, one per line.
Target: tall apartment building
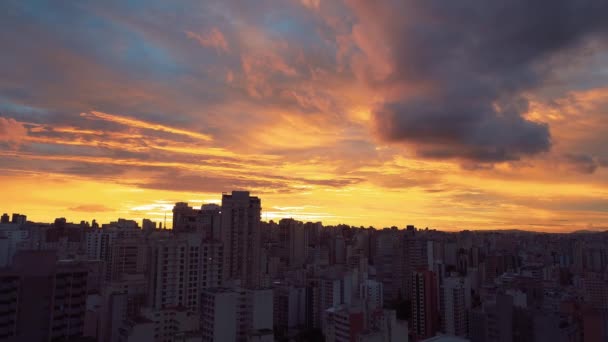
(231, 314)
(121, 301)
(455, 303)
(210, 221)
(425, 317)
(11, 239)
(126, 257)
(343, 324)
(372, 292)
(241, 215)
(9, 298)
(44, 299)
(180, 267)
(184, 218)
(294, 240)
(211, 264)
(290, 307)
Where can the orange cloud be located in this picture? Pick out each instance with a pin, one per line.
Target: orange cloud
(12, 131)
(214, 38)
(146, 125)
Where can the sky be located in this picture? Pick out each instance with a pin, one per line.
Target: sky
(452, 115)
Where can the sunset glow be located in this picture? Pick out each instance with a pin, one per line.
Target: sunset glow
(323, 109)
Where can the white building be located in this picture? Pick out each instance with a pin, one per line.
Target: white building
(372, 292)
(180, 267)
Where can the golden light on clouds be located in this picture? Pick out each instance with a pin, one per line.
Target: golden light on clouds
(342, 112)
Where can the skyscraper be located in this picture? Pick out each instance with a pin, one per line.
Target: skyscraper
(455, 301)
(184, 218)
(241, 215)
(425, 317)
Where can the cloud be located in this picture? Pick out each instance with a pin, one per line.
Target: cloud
(214, 38)
(455, 74)
(144, 124)
(312, 4)
(91, 208)
(582, 163)
(12, 131)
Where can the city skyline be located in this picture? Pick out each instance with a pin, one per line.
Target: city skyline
(222, 274)
(483, 117)
(196, 206)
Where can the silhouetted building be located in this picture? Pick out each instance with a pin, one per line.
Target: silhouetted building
(241, 215)
(19, 219)
(210, 221)
(184, 218)
(425, 317)
(148, 225)
(49, 297)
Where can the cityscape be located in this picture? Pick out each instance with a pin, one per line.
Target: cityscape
(223, 274)
(304, 171)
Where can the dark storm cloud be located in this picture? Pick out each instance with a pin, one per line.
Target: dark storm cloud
(470, 64)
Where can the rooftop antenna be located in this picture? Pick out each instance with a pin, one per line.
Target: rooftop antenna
(165, 225)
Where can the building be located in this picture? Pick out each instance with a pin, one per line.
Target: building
(446, 338)
(372, 293)
(45, 299)
(343, 324)
(121, 302)
(184, 218)
(148, 225)
(210, 221)
(9, 298)
(164, 325)
(126, 257)
(455, 303)
(241, 215)
(234, 314)
(290, 307)
(425, 317)
(175, 275)
(293, 238)
(11, 239)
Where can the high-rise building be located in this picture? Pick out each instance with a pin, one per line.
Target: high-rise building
(46, 298)
(290, 307)
(184, 218)
(294, 240)
(372, 292)
(128, 256)
(241, 215)
(233, 314)
(148, 225)
(19, 219)
(210, 221)
(425, 317)
(343, 324)
(121, 302)
(175, 272)
(455, 302)
(9, 297)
